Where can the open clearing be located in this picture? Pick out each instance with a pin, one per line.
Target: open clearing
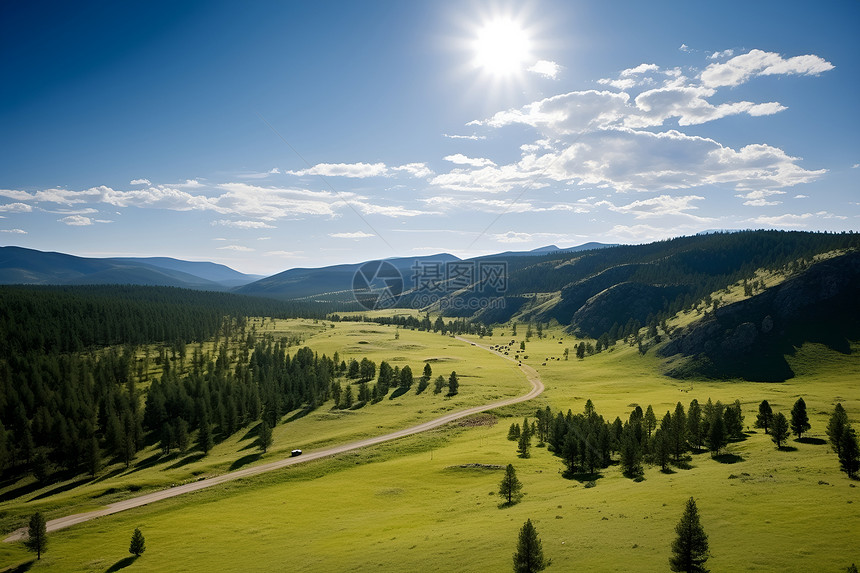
(407, 505)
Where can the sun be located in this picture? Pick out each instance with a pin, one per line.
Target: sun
(502, 47)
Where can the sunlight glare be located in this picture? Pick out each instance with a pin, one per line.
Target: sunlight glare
(502, 47)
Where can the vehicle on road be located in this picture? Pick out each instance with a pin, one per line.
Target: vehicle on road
(295, 453)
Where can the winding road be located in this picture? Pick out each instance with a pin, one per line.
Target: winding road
(70, 520)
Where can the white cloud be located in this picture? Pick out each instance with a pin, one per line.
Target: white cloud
(354, 170)
(274, 170)
(15, 194)
(283, 253)
(758, 198)
(690, 106)
(640, 69)
(469, 137)
(659, 207)
(418, 170)
(685, 48)
(855, 166)
(387, 210)
(140, 182)
(801, 196)
(14, 231)
(190, 184)
(546, 69)
(15, 208)
(724, 54)
(460, 159)
(513, 237)
(76, 221)
(624, 84)
(238, 248)
(243, 224)
(792, 220)
(760, 63)
(626, 160)
(353, 235)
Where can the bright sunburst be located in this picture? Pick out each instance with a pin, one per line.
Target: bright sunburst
(502, 47)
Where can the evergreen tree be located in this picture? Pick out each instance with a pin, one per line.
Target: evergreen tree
(406, 378)
(37, 535)
(93, 457)
(182, 435)
(838, 420)
(717, 436)
(649, 422)
(524, 444)
(138, 543)
(849, 452)
(661, 448)
(733, 422)
(265, 437)
(690, 548)
(511, 485)
(514, 432)
(438, 384)
(453, 384)
(631, 456)
(765, 416)
(694, 424)
(428, 371)
(529, 556)
(679, 432)
(779, 430)
(799, 418)
(204, 436)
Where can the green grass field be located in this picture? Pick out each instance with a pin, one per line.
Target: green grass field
(408, 506)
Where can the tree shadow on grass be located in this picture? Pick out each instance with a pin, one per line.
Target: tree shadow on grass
(787, 449)
(398, 392)
(62, 488)
(813, 441)
(114, 472)
(244, 460)
(146, 462)
(728, 458)
(121, 564)
(21, 568)
(506, 504)
(668, 471)
(299, 414)
(19, 491)
(187, 460)
(582, 477)
(252, 432)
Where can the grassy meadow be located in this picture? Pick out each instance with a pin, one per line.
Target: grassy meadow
(409, 505)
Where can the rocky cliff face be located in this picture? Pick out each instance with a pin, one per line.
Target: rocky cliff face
(750, 339)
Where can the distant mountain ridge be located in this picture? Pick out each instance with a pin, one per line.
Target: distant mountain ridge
(19, 265)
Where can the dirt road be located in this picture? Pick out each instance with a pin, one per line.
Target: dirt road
(68, 521)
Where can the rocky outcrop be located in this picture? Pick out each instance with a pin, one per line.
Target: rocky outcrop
(750, 339)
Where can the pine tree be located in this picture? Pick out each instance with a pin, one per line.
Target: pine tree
(514, 432)
(679, 432)
(765, 416)
(649, 421)
(204, 436)
(690, 548)
(524, 444)
(265, 437)
(717, 437)
(631, 456)
(779, 430)
(93, 456)
(138, 543)
(838, 420)
(511, 485)
(661, 448)
(37, 535)
(529, 556)
(438, 384)
(694, 424)
(453, 384)
(849, 456)
(799, 418)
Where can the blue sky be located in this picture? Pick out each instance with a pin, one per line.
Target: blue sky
(271, 135)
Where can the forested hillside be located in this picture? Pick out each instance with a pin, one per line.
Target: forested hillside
(70, 319)
(595, 290)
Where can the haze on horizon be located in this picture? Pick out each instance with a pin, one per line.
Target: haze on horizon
(281, 135)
